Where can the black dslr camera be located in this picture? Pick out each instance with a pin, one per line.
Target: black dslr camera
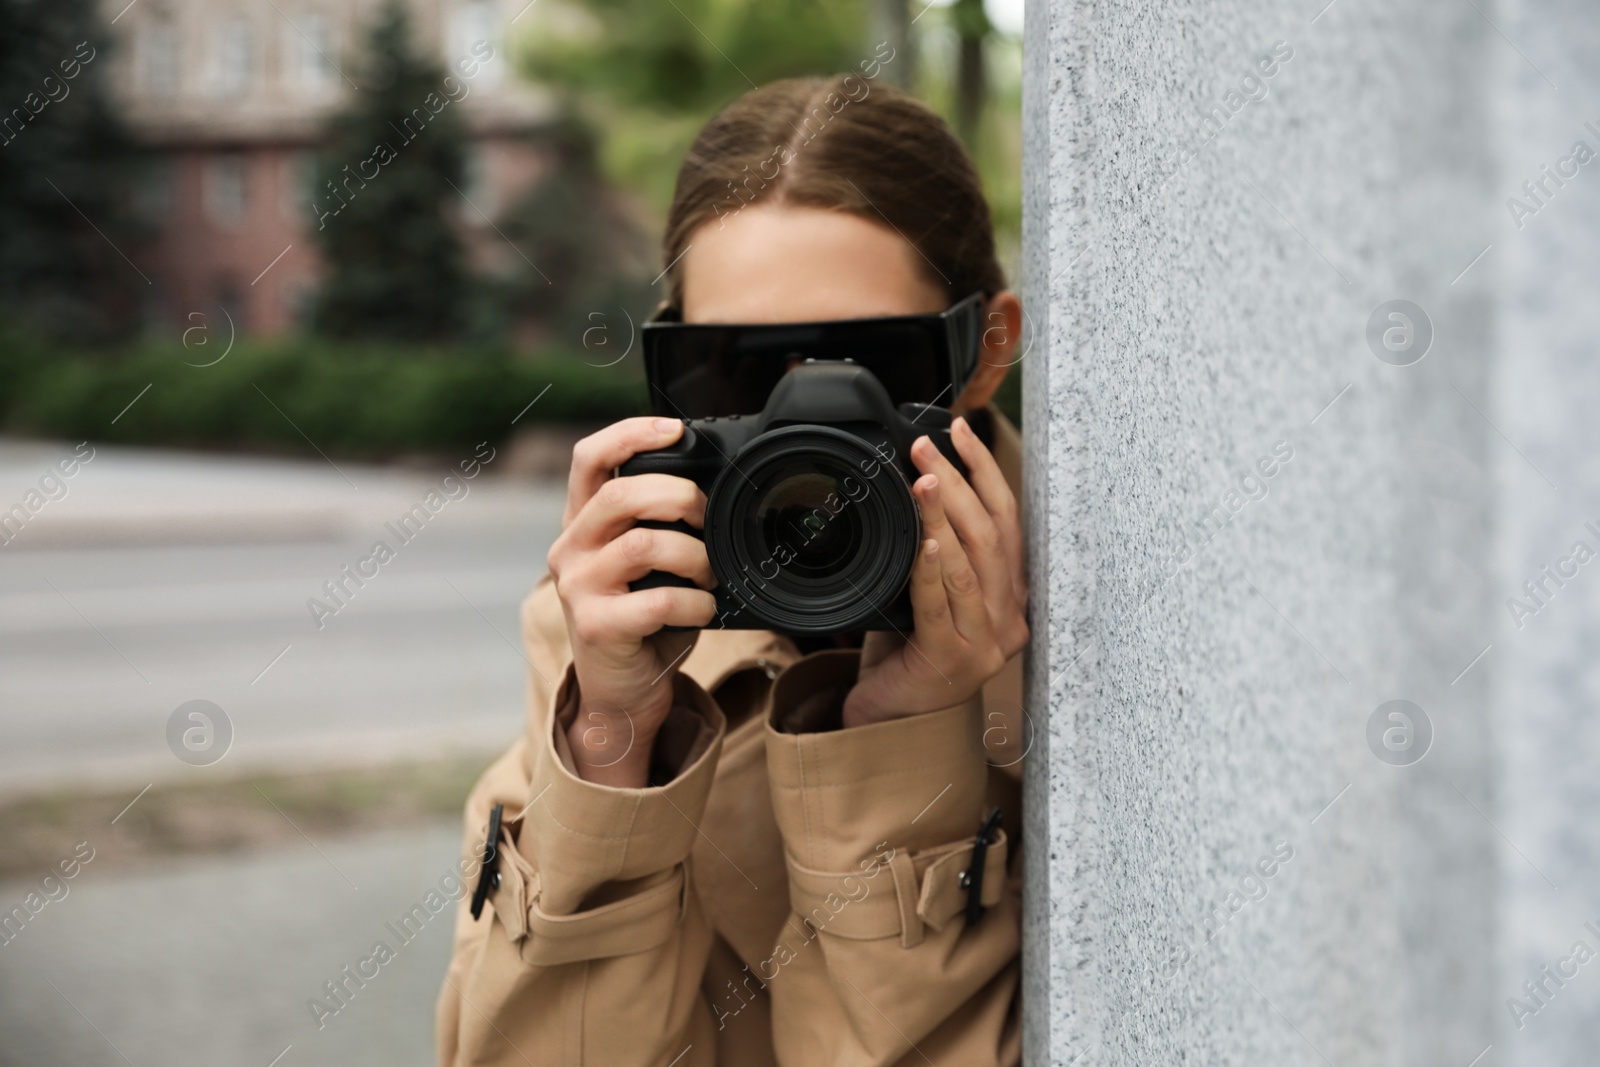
(810, 526)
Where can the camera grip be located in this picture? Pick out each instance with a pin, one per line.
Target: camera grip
(658, 579)
(669, 459)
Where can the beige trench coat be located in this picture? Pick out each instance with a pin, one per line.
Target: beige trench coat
(791, 896)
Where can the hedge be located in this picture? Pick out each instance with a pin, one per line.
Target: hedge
(291, 396)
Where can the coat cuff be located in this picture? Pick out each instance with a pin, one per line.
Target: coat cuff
(918, 783)
(577, 838)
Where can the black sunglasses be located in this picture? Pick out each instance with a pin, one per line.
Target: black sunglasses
(698, 371)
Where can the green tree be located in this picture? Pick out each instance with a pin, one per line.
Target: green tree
(973, 30)
(581, 253)
(387, 184)
(63, 157)
(651, 73)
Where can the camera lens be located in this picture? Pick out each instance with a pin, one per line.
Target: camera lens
(813, 530)
(804, 511)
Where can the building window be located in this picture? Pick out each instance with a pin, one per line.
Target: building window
(231, 298)
(308, 42)
(233, 58)
(298, 175)
(225, 191)
(158, 48)
(472, 22)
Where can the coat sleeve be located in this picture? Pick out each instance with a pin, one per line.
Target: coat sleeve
(877, 965)
(592, 948)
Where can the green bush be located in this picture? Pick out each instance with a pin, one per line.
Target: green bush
(292, 396)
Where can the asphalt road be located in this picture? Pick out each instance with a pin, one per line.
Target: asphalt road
(160, 578)
(217, 959)
(146, 580)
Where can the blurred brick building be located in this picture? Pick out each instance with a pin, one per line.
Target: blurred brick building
(230, 98)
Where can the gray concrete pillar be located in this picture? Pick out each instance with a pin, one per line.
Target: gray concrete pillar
(1546, 253)
(1259, 510)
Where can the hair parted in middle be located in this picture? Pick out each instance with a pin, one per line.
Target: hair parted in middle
(847, 144)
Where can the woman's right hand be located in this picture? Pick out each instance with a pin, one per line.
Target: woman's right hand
(623, 664)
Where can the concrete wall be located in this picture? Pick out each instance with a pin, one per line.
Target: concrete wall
(1547, 381)
(1213, 640)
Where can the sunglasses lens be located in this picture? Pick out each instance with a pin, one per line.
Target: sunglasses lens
(702, 371)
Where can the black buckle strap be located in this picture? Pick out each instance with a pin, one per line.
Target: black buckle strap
(489, 875)
(972, 877)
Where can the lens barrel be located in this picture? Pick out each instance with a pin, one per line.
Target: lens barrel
(812, 530)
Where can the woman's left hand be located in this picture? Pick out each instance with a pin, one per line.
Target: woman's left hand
(968, 595)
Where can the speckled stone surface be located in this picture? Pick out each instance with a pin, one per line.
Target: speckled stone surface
(1211, 639)
(1547, 670)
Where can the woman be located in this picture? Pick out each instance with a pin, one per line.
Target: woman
(731, 847)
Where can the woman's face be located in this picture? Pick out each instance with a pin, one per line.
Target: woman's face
(796, 264)
(776, 263)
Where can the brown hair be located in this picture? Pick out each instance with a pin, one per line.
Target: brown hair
(845, 144)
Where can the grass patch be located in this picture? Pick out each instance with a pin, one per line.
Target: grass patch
(36, 832)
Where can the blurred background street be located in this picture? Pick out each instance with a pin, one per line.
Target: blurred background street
(164, 577)
(239, 345)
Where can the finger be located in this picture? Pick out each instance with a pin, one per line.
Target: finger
(967, 512)
(980, 535)
(930, 603)
(637, 552)
(985, 476)
(621, 502)
(961, 584)
(631, 617)
(596, 456)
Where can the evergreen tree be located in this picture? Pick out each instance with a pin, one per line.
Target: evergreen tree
(579, 250)
(387, 188)
(63, 159)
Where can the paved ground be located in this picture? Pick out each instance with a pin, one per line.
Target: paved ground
(211, 960)
(162, 578)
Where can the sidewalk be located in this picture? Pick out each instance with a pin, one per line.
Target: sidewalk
(165, 577)
(157, 578)
(211, 960)
(123, 497)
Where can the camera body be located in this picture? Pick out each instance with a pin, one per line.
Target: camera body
(810, 524)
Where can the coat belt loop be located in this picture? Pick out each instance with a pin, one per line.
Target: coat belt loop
(906, 894)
